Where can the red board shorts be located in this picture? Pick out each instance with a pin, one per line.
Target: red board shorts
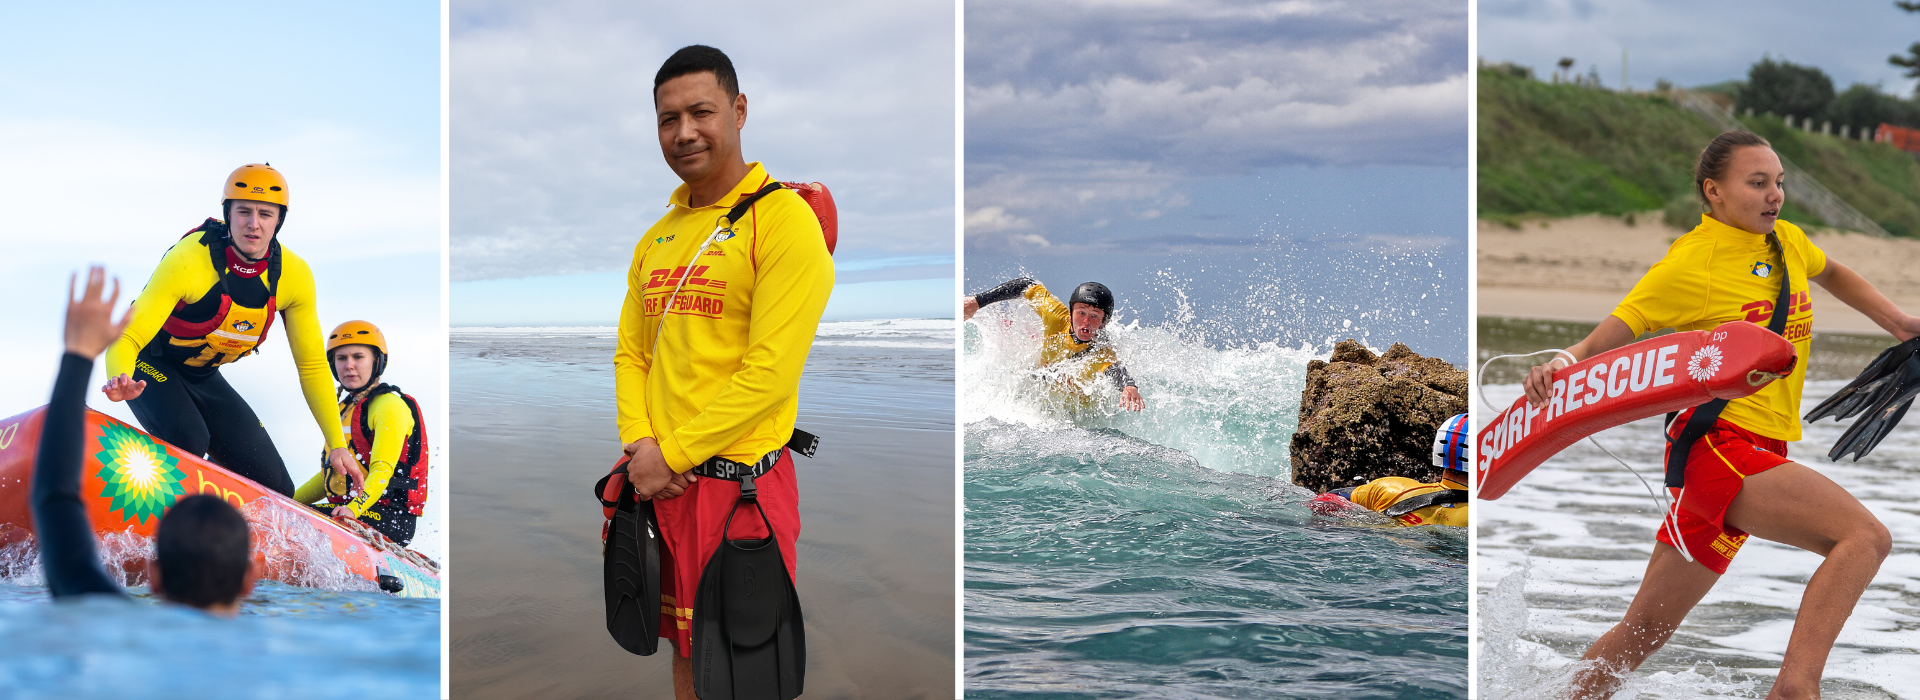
(690, 528)
(1718, 465)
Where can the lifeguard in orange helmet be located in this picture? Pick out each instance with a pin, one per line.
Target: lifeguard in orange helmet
(388, 436)
(212, 301)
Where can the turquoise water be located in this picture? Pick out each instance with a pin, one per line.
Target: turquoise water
(288, 643)
(1165, 554)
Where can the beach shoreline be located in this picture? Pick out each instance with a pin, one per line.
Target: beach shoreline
(1578, 268)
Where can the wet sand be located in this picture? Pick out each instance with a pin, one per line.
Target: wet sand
(533, 425)
(1578, 269)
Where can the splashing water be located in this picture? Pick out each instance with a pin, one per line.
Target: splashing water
(1232, 409)
(1567, 548)
(1119, 554)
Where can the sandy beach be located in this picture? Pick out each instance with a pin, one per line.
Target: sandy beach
(1577, 269)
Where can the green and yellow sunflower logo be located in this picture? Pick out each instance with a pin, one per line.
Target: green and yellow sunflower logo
(142, 479)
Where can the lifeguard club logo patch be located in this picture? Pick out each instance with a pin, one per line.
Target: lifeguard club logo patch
(1762, 270)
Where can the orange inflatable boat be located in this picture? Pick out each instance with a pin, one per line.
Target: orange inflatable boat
(129, 478)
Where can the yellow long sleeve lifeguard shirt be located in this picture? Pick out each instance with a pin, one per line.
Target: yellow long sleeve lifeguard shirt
(186, 274)
(392, 423)
(725, 380)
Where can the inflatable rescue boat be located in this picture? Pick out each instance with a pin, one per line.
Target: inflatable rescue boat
(129, 478)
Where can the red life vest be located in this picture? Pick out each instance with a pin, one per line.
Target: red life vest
(409, 470)
(216, 329)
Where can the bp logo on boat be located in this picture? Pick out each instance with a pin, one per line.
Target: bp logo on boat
(141, 478)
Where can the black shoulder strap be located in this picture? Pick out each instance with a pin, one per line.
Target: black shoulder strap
(273, 267)
(1435, 498)
(1704, 416)
(740, 210)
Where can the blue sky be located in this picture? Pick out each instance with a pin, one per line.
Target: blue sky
(1693, 43)
(119, 121)
(557, 169)
(1289, 172)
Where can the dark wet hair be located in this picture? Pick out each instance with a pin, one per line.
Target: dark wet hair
(698, 59)
(203, 549)
(1717, 155)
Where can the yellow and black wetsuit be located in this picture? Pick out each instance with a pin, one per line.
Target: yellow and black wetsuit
(1058, 344)
(389, 441)
(205, 307)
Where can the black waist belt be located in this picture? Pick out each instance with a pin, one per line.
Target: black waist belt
(717, 467)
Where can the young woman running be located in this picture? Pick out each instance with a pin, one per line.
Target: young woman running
(1738, 480)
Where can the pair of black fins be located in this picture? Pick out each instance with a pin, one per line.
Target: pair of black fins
(1880, 395)
(749, 642)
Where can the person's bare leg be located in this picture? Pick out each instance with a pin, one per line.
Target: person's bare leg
(682, 677)
(1795, 505)
(1671, 588)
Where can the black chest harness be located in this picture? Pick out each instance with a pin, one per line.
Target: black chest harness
(1705, 414)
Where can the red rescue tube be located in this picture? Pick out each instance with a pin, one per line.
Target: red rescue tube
(1648, 378)
(821, 200)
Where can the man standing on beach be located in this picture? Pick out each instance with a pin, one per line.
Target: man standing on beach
(714, 333)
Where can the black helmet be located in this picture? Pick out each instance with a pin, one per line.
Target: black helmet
(1093, 293)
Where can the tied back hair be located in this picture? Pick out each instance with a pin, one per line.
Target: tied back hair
(1715, 158)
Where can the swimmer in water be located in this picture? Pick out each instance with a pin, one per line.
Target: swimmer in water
(202, 552)
(1410, 502)
(1073, 329)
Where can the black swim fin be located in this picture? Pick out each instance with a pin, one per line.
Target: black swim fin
(1873, 384)
(1894, 395)
(748, 639)
(630, 565)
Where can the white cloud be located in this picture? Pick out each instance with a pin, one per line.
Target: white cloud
(556, 166)
(1081, 113)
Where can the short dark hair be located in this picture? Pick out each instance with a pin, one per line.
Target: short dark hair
(1718, 154)
(203, 548)
(698, 59)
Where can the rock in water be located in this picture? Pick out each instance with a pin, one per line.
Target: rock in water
(1364, 416)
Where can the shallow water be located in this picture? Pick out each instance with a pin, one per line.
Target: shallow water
(1561, 555)
(534, 425)
(288, 642)
(1165, 554)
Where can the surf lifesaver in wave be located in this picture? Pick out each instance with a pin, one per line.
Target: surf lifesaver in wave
(128, 479)
(1648, 378)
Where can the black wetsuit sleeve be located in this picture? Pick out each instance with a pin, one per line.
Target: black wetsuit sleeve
(1011, 289)
(68, 553)
(1120, 375)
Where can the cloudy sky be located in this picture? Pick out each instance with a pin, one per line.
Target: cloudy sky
(1087, 121)
(557, 167)
(1693, 43)
(119, 121)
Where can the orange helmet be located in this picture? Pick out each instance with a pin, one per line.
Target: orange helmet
(358, 333)
(255, 181)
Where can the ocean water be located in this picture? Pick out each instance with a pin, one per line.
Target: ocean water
(534, 425)
(335, 633)
(1165, 553)
(288, 642)
(1561, 555)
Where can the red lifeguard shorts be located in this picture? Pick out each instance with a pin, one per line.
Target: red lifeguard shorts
(1719, 463)
(690, 530)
